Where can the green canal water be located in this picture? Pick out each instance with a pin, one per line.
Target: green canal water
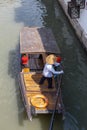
(15, 14)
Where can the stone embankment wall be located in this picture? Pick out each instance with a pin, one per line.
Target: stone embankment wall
(78, 29)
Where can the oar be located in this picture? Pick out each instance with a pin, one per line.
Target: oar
(57, 94)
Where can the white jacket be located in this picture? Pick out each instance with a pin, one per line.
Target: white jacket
(48, 70)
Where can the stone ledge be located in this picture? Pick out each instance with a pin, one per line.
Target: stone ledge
(74, 22)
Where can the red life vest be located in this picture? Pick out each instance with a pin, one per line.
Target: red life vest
(24, 60)
(58, 59)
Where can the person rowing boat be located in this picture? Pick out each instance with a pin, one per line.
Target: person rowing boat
(49, 70)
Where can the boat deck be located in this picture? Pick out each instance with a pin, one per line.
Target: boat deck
(31, 87)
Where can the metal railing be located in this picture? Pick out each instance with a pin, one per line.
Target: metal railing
(74, 7)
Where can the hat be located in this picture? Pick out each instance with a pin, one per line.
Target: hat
(51, 59)
(58, 59)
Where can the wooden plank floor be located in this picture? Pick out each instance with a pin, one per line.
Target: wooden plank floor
(32, 83)
(32, 87)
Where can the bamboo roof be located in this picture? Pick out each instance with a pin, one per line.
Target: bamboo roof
(37, 40)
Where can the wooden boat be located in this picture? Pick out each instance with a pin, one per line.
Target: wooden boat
(38, 99)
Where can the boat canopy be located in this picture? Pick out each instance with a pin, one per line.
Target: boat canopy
(37, 40)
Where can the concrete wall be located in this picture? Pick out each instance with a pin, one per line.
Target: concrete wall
(74, 22)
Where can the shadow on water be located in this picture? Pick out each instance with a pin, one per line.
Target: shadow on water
(58, 123)
(13, 71)
(49, 14)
